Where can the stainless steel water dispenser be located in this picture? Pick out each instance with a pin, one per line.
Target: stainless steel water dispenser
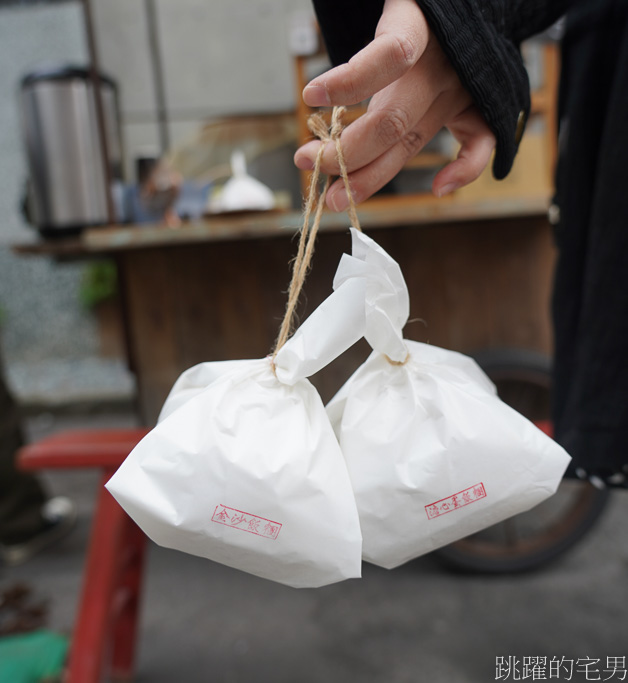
(67, 183)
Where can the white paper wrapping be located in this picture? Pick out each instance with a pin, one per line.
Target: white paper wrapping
(433, 454)
(248, 473)
(386, 303)
(239, 449)
(195, 380)
(332, 328)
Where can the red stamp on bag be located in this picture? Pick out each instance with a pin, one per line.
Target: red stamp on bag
(458, 500)
(252, 524)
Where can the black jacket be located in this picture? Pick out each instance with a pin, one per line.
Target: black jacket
(590, 306)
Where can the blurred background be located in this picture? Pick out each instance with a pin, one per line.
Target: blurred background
(176, 68)
(116, 276)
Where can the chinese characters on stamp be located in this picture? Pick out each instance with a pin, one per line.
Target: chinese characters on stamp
(253, 524)
(457, 500)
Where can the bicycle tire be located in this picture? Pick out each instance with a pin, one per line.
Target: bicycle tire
(523, 380)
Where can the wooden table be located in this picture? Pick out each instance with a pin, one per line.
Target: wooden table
(216, 289)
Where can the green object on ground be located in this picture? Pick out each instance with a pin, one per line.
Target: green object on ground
(32, 657)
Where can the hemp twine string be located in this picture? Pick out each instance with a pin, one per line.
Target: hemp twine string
(315, 203)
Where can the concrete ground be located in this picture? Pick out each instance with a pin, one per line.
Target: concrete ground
(205, 623)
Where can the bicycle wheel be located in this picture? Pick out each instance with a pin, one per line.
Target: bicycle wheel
(533, 538)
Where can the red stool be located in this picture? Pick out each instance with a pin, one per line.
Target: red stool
(546, 426)
(105, 630)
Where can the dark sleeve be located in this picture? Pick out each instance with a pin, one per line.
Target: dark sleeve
(480, 37)
(347, 25)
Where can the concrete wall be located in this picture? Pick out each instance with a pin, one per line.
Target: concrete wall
(219, 57)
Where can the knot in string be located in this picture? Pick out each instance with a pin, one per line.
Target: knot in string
(398, 362)
(315, 203)
(318, 126)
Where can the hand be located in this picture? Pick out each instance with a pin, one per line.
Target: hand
(415, 92)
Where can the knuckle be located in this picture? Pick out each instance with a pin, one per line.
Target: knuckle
(392, 127)
(413, 142)
(404, 50)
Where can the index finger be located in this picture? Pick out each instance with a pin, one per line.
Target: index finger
(400, 40)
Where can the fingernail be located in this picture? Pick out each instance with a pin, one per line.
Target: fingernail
(316, 96)
(338, 200)
(448, 188)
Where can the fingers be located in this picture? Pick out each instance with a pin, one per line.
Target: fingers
(400, 40)
(478, 143)
(468, 127)
(391, 118)
(362, 142)
(373, 176)
(415, 92)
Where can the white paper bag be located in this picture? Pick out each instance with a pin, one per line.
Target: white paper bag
(244, 468)
(433, 454)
